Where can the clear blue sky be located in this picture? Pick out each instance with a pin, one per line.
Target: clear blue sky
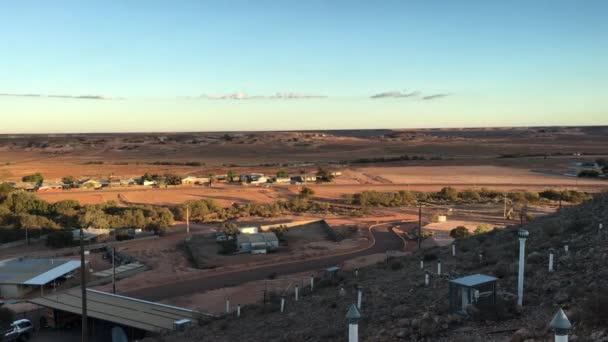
(173, 65)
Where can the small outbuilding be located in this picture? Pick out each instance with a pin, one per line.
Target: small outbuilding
(257, 243)
(472, 289)
(20, 276)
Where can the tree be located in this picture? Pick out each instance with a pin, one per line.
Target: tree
(282, 174)
(35, 178)
(5, 189)
(459, 232)
(589, 174)
(279, 231)
(231, 174)
(306, 192)
(92, 216)
(172, 179)
(60, 239)
(324, 175)
(605, 170)
(229, 229)
(70, 181)
(448, 193)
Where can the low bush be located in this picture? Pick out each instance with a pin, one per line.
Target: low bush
(459, 232)
(595, 309)
(396, 265)
(60, 239)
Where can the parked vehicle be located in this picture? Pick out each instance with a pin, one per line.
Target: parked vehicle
(20, 330)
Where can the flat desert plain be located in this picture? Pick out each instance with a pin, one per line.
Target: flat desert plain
(533, 158)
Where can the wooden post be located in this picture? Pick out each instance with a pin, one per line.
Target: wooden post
(282, 304)
(419, 226)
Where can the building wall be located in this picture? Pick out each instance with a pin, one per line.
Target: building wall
(14, 291)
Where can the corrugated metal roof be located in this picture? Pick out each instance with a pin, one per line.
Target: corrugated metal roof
(54, 273)
(19, 270)
(132, 312)
(473, 280)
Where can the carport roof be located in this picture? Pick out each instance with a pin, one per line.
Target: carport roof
(35, 271)
(132, 312)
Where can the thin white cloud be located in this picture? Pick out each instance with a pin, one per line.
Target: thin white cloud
(79, 97)
(395, 94)
(435, 96)
(277, 96)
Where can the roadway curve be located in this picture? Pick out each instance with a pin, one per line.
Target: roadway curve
(385, 239)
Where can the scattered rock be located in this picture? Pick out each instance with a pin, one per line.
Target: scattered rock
(521, 335)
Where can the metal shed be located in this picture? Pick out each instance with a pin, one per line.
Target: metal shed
(472, 289)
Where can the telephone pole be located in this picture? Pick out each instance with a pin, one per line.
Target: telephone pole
(83, 286)
(188, 220)
(504, 211)
(419, 225)
(114, 270)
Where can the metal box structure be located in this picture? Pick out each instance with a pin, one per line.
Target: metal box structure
(472, 289)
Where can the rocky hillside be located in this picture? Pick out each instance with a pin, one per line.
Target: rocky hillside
(397, 306)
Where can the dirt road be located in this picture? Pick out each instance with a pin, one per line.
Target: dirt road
(385, 239)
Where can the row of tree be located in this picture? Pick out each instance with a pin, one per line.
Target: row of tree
(452, 195)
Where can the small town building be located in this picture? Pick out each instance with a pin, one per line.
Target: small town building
(253, 178)
(472, 289)
(192, 180)
(107, 312)
(90, 234)
(257, 243)
(20, 276)
(148, 182)
(282, 180)
(27, 186)
(90, 184)
(48, 187)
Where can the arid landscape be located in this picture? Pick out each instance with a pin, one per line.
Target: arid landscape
(366, 213)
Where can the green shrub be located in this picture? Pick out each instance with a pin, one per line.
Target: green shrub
(396, 265)
(459, 232)
(60, 239)
(595, 309)
(483, 228)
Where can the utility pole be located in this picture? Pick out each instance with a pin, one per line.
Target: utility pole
(114, 270)
(83, 286)
(188, 220)
(27, 238)
(504, 211)
(419, 225)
